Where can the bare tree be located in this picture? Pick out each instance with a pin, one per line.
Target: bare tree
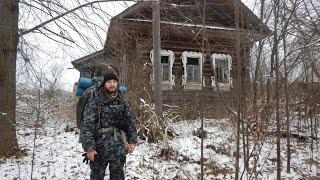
(9, 12)
(53, 79)
(239, 110)
(291, 42)
(60, 28)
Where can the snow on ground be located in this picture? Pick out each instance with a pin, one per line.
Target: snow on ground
(58, 155)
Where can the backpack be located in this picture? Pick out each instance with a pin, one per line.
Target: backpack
(81, 104)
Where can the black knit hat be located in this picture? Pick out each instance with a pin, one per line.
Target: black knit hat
(109, 76)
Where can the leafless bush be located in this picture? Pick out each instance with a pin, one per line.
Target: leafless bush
(151, 128)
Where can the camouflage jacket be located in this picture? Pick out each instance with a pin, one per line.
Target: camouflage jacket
(114, 112)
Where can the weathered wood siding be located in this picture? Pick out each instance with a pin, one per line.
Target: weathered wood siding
(133, 41)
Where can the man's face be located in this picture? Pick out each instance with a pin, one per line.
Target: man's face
(111, 85)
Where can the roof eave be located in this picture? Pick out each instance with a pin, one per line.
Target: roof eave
(130, 10)
(92, 58)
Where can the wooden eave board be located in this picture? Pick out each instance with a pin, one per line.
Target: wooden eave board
(191, 31)
(218, 12)
(94, 58)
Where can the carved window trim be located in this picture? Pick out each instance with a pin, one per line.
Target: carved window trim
(191, 85)
(226, 86)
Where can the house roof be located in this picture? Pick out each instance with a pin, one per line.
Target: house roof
(220, 17)
(219, 14)
(102, 57)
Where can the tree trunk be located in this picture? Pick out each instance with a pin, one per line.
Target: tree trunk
(277, 93)
(275, 62)
(287, 102)
(9, 12)
(239, 115)
(157, 60)
(257, 76)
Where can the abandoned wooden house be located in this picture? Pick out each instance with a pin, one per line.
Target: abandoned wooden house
(196, 58)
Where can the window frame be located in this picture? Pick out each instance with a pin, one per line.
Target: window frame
(167, 84)
(221, 85)
(192, 85)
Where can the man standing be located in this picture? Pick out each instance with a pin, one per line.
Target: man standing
(108, 132)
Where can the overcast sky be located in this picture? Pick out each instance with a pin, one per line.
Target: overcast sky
(72, 75)
(45, 52)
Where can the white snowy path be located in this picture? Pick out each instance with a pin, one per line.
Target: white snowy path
(58, 156)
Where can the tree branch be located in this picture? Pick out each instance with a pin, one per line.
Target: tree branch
(63, 14)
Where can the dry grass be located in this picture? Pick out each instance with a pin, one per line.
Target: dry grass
(18, 154)
(68, 112)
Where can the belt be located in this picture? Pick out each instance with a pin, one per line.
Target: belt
(115, 130)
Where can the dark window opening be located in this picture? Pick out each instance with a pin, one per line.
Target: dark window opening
(165, 68)
(165, 59)
(192, 61)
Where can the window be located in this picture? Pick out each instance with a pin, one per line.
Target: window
(221, 64)
(193, 70)
(192, 63)
(165, 68)
(167, 59)
(222, 70)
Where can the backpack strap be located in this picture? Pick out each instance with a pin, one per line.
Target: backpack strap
(92, 92)
(124, 138)
(98, 123)
(99, 117)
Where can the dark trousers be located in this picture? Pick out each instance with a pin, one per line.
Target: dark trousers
(116, 168)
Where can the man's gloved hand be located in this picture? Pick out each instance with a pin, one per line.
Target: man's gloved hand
(85, 159)
(89, 156)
